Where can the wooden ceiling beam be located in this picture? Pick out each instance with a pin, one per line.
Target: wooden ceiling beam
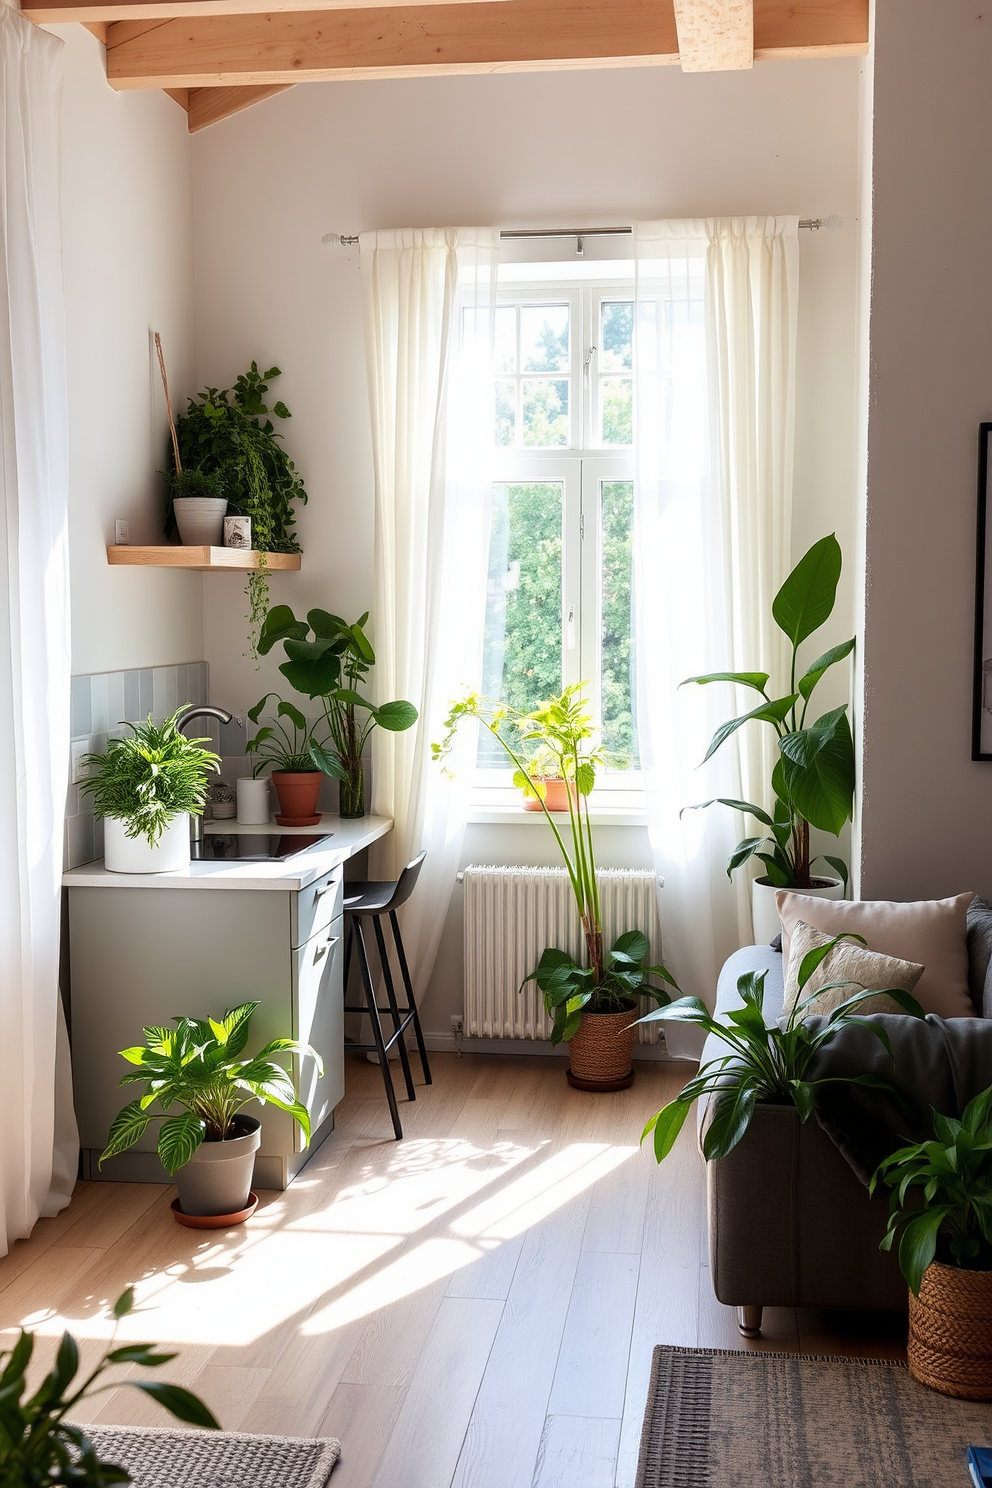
(488, 36)
(54, 11)
(210, 105)
(715, 35)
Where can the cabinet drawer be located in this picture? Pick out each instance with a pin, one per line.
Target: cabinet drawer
(319, 1021)
(317, 906)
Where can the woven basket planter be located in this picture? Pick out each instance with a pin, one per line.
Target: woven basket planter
(601, 1053)
(950, 1332)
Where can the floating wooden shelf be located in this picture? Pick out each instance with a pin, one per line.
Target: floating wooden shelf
(206, 560)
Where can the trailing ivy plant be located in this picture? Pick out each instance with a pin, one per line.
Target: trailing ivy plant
(228, 432)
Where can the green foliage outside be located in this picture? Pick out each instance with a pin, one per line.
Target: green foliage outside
(39, 1448)
(619, 734)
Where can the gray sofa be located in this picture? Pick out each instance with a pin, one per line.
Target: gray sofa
(790, 1224)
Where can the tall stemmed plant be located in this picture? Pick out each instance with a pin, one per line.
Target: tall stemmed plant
(562, 726)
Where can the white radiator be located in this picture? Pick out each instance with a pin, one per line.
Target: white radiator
(512, 914)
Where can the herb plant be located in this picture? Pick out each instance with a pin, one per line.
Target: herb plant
(952, 1176)
(563, 728)
(196, 1065)
(39, 1448)
(812, 782)
(149, 778)
(764, 1062)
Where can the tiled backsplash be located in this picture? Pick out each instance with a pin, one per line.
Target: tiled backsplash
(100, 704)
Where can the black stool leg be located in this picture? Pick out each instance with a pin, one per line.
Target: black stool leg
(387, 1079)
(411, 1000)
(394, 1010)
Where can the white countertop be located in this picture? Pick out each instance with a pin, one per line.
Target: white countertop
(349, 837)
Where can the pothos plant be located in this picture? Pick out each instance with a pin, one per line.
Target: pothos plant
(562, 727)
(813, 779)
(766, 1062)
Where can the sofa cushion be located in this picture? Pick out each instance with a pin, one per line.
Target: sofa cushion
(928, 931)
(980, 954)
(848, 963)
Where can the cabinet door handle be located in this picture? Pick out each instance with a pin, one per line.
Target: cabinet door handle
(325, 946)
(321, 890)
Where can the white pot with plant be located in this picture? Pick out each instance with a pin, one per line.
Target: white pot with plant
(145, 788)
(813, 780)
(210, 1148)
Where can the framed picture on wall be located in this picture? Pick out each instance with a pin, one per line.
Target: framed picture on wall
(981, 723)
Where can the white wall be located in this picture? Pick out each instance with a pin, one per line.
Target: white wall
(574, 148)
(128, 271)
(927, 807)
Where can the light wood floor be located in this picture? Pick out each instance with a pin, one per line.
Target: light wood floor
(473, 1307)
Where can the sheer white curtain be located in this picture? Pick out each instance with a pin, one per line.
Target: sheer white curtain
(715, 339)
(37, 1132)
(429, 297)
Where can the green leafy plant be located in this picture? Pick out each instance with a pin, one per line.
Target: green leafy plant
(563, 728)
(542, 765)
(198, 484)
(289, 742)
(813, 779)
(327, 661)
(149, 777)
(39, 1447)
(941, 1203)
(196, 1065)
(765, 1062)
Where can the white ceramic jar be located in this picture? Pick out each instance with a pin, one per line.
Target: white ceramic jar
(123, 854)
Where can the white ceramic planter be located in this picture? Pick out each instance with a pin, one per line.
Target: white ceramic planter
(200, 520)
(123, 854)
(764, 911)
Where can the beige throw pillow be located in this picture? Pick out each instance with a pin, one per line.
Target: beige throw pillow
(928, 931)
(861, 971)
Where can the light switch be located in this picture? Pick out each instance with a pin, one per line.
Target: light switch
(78, 750)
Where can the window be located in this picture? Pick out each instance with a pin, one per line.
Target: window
(559, 582)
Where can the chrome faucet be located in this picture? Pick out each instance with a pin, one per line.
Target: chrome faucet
(200, 710)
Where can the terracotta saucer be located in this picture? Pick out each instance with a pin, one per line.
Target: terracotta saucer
(298, 821)
(215, 1221)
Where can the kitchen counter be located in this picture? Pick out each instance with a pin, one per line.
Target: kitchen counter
(350, 836)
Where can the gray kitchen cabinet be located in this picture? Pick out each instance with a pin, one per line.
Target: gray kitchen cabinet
(141, 957)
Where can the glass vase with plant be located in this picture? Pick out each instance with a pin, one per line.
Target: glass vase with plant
(328, 660)
(813, 779)
(613, 979)
(39, 1446)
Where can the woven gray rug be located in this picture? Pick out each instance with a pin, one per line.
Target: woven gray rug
(717, 1419)
(162, 1457)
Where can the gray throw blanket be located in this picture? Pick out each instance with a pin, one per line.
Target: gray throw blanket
(941, 1062)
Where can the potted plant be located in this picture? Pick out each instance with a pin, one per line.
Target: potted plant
(197, 500)
(543, 782)
(145, 788)
(210, 1148)
(941, 1212)
(39, 1447)
(765, 1063)
(591, 1006)
(328, 660)
(813, 780)
(297, 756)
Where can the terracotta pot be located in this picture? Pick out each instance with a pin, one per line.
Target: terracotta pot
(950, 1332)
(298, 793)
(602, 1051)
(555, 800)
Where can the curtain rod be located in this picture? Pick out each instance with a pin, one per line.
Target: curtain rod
(813, 224)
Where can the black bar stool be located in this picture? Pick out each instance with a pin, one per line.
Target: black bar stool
(370, 901)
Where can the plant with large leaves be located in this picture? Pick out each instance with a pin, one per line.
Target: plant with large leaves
(942, 1194)
(765, 1062)
(562, 729)
(39, 1447)
(327, 660)
(196, 1065)
(813, 779)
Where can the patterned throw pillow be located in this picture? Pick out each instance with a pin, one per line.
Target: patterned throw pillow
(848, 962)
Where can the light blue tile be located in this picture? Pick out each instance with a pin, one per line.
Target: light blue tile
(81, 840)
(115, 699)
(98, 837)
(100, 703)
(182, 685)
(146, 693)
(204, 682)
(80, 708)
(233, 737)
(132, 707)
(72, 800)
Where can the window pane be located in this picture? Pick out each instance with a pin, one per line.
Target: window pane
(618, 325)
(506, 338)
(618, 410)
(523, 648)
(617, 656)
(506, 410)
(544, 338)
(545, 411)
